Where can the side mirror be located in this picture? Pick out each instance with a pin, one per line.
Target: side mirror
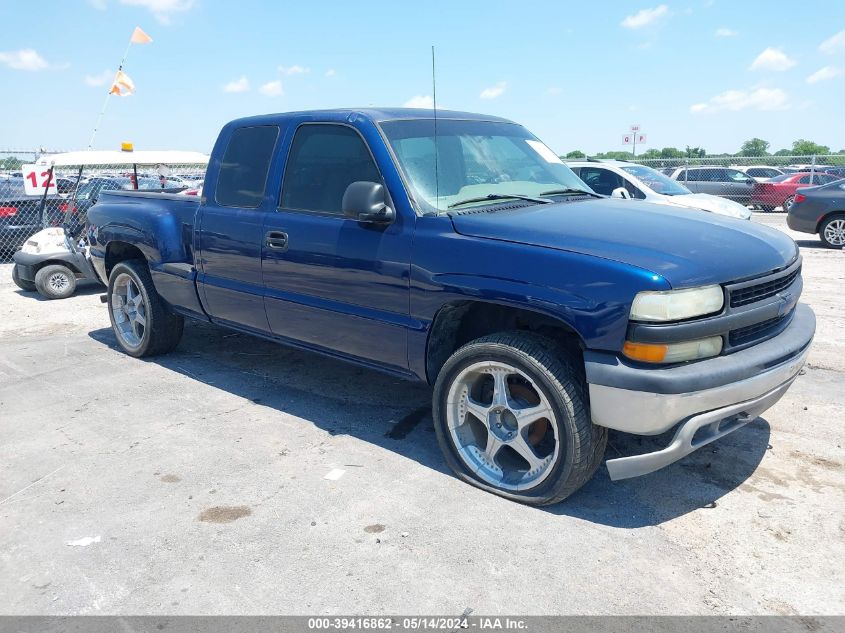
(365, 201)
(750, 181)
(620, 192)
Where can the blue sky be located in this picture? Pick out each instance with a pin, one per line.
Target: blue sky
(709, 73)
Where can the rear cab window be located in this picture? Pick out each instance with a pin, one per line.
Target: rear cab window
(242, 179)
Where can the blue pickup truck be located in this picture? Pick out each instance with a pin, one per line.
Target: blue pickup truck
(459, 250)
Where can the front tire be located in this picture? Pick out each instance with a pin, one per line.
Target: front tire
(832, 231)
(55, 281)
(23, 284)
(512, 417)
(767, 208)
(142, 322)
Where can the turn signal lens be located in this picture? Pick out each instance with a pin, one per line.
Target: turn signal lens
(800, 197)
(645, 352)
(673, 352)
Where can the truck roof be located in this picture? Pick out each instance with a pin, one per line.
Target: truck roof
(374, 114)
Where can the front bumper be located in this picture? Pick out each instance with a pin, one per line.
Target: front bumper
(720, 394)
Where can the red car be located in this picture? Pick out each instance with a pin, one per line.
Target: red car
(780, 191)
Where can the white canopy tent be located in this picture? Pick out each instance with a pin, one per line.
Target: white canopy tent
(113, 157)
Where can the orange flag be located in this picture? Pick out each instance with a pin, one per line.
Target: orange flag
(122, 85)
(139, 37)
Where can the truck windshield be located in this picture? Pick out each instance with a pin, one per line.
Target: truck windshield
(477, 163)
(657, 182)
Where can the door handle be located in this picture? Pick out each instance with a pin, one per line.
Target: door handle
(277, 240)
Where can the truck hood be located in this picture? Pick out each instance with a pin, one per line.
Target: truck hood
(687, 247)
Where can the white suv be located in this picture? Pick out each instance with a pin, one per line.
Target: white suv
(629, 180)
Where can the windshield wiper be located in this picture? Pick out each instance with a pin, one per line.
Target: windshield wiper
(499, 196)
(560, 192)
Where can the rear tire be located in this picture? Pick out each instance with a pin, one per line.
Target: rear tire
(28, 286)
(55, 281)
(142, 322)
(767, 208)
(536, 443)
(832, 231)
(787, 204)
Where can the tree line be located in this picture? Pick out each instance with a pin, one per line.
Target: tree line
(754, 147)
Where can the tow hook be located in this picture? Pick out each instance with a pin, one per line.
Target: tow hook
(104, 298)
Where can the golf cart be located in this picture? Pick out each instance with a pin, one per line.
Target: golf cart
(52, 260)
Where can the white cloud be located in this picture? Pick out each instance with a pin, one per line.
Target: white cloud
(823, 74)
(554, 90)
(294, 70)
(272, 89)
(772, 59)
(725, 32)
(752, 99)
(24, 59)
(99, 80)
(494, 91)
(833, 44)
(163, 10)
(644, 17)
(238, 85)
(419, 101)
(100, 5)
(330, 72)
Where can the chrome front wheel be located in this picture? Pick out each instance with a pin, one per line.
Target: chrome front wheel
(502, 425)
(512, 417)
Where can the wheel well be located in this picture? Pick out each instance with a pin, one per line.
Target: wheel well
(117, 252)
(826, 217)
(461, 322)
(58, 262)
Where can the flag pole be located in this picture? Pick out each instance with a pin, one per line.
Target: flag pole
(108, 96)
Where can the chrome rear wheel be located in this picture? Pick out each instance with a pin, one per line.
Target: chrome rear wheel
(129, 310)
(833, 232)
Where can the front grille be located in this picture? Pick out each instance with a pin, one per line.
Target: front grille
(758, 292)
(752, 333)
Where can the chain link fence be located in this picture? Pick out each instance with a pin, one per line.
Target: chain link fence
(765, 183)
(66, 192)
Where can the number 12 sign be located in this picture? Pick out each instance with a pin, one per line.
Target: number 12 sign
(38, 179)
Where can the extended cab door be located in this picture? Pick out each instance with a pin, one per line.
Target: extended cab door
(231, 227)
(331, 282)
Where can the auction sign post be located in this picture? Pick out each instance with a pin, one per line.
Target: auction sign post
(38, 181)
(634, 137)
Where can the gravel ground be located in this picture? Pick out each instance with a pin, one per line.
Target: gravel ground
(197, 484)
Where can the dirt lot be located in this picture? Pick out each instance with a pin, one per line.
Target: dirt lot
(197, 483)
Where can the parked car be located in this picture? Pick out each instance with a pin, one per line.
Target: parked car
(820, 210)
(466, 254)
(717, 181)
(20, 215)
(644, 183)
(760, 173)
(780, 191)
(89, 193)
(833, 171)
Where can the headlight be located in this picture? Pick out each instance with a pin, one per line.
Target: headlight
(673, 352)
(676, 305)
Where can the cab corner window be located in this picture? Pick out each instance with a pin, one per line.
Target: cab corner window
(324, 160)
(246, 162)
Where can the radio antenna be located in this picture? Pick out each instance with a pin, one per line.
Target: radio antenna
(436, 152)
